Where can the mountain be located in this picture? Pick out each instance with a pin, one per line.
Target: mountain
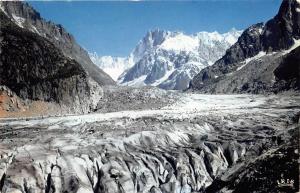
(257, 62)
(26, 17)
(33, 68)
(170, 60)
(113, 66)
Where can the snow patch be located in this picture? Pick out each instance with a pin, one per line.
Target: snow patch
(259, 55)
(239, 68)
(136, 82)
(33, 29)
(164, 78)
(256, 57)
(296, 44)
(19, 20)
(2, 8)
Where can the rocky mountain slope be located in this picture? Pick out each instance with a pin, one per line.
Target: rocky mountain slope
(170, 60)
(26, 17)
(255, 62)
(33, 68)
(288, 72)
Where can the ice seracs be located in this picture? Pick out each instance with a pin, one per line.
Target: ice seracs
(186, 147)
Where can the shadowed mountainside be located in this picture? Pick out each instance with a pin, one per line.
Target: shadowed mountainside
(26, 17)
(248, 66)
(33, 68)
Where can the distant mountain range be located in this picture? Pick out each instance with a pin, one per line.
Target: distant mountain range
(264, 59)
(167, 59)
(250, 62)
(113, 66)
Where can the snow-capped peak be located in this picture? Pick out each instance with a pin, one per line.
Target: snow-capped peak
(180, 42)
(113, 66)
(152, 39)
(171, 59)
(208, 38)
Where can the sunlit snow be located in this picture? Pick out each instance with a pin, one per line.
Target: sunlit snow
(19, 20)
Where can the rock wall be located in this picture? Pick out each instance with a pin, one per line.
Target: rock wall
(33, 68)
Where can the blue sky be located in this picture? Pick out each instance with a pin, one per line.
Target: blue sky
(114, 28)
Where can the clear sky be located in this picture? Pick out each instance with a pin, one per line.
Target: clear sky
(114, 28)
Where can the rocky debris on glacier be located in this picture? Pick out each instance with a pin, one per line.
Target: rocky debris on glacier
(230, 142)
(120, 98)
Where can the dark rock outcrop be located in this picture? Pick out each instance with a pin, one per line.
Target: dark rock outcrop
(28, 18)
(277, 35)
(288, 72)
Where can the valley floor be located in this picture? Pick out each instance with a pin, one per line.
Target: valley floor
(188, 143)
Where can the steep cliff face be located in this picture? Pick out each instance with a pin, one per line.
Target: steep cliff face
(26, 17)
(33, 68)
(260, 47)
(288, 72)
(279, 33)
